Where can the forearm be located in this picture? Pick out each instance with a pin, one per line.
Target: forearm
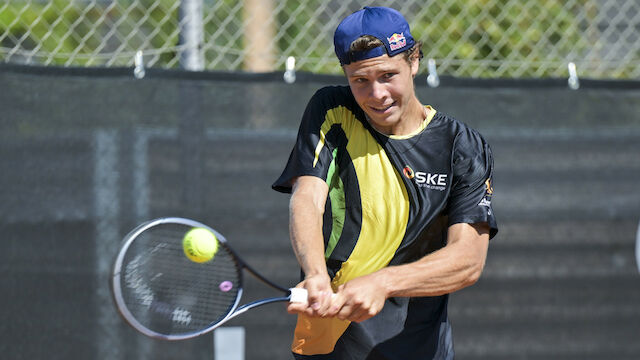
(305, 231)
(306, 210)
(432, 275)
(455, 266)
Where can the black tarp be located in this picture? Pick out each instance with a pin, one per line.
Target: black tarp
(87, 154)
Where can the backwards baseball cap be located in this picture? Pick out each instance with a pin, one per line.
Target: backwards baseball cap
(386, 24)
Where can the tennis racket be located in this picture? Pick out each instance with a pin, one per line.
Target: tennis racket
(164, 295)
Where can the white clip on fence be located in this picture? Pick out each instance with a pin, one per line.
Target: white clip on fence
(574, 82)
(290, 72)
(432, 79)
(138, 70)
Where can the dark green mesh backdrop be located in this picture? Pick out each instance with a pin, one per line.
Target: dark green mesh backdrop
(88, 154)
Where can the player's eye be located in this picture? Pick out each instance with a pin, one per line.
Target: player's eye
(388, 76)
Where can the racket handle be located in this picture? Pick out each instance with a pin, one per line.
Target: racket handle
(298, 295)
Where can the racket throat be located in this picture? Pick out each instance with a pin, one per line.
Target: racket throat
(244, 308)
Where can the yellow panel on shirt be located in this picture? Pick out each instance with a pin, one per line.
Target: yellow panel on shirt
(385, 206)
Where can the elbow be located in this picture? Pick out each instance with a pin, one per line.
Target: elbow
(472, 274)
(473, 278)
(469, 244)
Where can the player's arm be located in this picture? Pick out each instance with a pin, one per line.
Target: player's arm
(455, 266)
(306, 209)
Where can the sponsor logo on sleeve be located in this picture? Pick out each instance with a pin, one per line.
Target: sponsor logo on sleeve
(486, 200)
(489, 187)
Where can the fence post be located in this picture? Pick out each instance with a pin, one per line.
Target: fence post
(191, 35)
(259, 35)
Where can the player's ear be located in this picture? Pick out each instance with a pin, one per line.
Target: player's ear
(415, 54)
(414, 62)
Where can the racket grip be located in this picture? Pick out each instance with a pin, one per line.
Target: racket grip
(298, 295)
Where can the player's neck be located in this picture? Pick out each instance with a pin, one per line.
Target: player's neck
(416, 115)
(410, 121)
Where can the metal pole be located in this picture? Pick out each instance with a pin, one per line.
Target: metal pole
(191, 125)
(191, 35)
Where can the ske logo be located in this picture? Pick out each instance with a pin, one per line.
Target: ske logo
(424, 179)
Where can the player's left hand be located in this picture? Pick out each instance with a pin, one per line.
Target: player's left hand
(359, 299)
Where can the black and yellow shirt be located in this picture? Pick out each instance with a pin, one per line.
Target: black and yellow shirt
(391, 200)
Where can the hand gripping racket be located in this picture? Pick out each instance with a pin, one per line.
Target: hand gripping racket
(164, 295)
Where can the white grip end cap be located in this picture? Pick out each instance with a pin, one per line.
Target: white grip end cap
(298, 295)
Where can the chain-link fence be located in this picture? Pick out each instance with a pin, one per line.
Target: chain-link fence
(466, 38)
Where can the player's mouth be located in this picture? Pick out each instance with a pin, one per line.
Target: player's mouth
(381, 109)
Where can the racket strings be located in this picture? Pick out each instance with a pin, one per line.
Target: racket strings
(168, 293)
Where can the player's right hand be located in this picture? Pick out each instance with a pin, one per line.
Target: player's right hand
(318, 299)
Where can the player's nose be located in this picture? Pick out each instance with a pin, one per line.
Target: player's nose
(378, 91)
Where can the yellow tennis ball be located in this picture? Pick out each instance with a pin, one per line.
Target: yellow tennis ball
(200, 245)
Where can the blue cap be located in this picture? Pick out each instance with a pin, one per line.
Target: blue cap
(384, 23)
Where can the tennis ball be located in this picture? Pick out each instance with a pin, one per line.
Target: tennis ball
(200, 245)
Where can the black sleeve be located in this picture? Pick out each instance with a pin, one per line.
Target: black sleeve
(472, 188)
(303, 159)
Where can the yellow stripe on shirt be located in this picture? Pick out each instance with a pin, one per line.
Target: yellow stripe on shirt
(385, 206)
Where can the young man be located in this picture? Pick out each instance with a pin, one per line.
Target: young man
(408, 198)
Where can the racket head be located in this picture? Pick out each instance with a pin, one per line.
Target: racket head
(163, 294)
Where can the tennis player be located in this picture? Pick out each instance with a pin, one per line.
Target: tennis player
(407, 193)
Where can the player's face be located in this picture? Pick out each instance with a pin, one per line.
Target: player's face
(383, 87)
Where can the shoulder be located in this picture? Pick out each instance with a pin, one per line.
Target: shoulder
(333, 96)
(470, 152)
(463, 135)
(332, 104)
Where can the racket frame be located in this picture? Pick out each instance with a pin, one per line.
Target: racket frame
(116, 279)
(234, 310)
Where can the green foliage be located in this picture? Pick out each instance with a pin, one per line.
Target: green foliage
(299, 30)
(54, 31)
(224, 34)
(518, 35)
(470, 38)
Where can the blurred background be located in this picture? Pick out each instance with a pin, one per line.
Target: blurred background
(114, 112)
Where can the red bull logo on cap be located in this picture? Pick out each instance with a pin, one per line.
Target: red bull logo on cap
(397, 41)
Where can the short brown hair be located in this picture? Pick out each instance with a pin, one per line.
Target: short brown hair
(368, 42)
